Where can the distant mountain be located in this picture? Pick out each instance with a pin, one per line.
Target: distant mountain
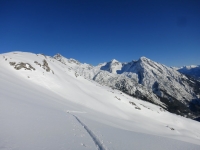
(192, 71)
(144, 79)
(113, 66)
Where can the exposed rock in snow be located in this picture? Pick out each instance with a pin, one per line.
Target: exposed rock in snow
(46, 66)
(21, 65)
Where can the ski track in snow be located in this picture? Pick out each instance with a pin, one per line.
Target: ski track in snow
(81, 112)
(95, 139)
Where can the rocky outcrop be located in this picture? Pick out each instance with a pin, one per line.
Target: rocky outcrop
(45, 66)
(21, 65)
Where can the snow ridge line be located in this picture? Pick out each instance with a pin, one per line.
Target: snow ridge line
(95, 139)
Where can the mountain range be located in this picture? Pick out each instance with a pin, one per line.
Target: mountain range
(192, 71)
(59, 103)
(145, 79)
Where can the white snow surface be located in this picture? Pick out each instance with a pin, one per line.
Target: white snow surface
(60, 109)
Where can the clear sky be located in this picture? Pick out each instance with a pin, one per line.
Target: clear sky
(95, 31)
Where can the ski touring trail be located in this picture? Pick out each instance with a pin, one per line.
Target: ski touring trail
(95, 139)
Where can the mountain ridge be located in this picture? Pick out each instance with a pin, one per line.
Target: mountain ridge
(154, 82)
(192, 71)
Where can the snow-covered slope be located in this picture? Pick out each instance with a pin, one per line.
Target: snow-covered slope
(45, 104)
(193, 71)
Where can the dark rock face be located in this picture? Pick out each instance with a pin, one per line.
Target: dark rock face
(37, 63)
(46, 66)
(12, 63)
(21, 65)
(195, 105)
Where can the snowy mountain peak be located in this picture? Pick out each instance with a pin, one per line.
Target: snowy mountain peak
(143, 58)
(113, 66)
(163, 83)
(114, 60)
(71, 60)
(58, 56)
(65, 61)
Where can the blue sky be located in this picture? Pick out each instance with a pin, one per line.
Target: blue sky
(95, 31)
